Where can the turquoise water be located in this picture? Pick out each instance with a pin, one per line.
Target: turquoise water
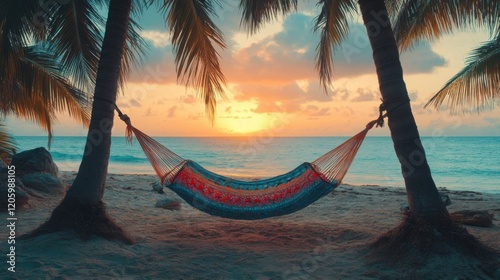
(459, 163)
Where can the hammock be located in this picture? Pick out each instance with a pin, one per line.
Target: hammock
(249, 200)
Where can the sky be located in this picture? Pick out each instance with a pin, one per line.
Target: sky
(273, 88)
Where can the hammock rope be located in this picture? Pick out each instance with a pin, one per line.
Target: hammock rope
(236, 199)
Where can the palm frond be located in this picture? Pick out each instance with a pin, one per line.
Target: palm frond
(334, 26)
(17, 19)
(7, 144)
(40, 74)
(135, 50)
(257, 12)
(75, 37)
(477, 86)
(36, 90)
(33, 108)
(393, 7)
(419, 19)
(193, 37)
(496, 31)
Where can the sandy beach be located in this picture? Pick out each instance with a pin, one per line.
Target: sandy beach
(327, 240)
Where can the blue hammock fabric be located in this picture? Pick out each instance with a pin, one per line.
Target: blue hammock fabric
(250, 200)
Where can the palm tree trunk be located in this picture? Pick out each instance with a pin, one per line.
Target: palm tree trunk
(82, 209)
(427, 227)
(423, 197)
(89, 183)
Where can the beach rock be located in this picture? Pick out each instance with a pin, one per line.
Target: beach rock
(168, 203)
(36, 160)
(21, 198)
(445, 199)
(157, 187)
(472, 218)
(43, 183)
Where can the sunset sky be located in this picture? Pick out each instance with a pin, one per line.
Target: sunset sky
(273, 88)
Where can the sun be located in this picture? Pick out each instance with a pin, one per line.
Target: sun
(247, 124)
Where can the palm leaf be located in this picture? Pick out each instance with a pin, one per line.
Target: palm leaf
(334, 26)
(418, 19)
(193, 37)
(75, 37)
(17, 19)
(393, 7)
(40, 74)
(477, 85)
(135, 50)
(15, 101)
(7, 144)
(257, 12)
(37, 90)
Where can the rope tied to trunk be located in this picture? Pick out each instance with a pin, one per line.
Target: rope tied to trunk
(129, 134)
(379, 122)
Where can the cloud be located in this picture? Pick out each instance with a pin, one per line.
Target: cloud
(154, 72)
(285, 56)
(195, 117)
(315, 111)
(279, 93)
(171, 112)
(282, 57)
(149, 113)
(421, 59)
(236, 117)
(274, 107)
(342, 93)
(364, 95)
(128, 103)
(413, 95)
(278, 98)
(188, 99)
(418, 108)
(134, 103)
(159, 39)
(345, 111)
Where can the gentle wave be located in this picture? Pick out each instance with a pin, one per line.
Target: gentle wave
(128, 159)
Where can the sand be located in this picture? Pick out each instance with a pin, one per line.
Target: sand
(327, 240)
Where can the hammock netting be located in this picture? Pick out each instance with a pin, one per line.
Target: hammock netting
(249, 200)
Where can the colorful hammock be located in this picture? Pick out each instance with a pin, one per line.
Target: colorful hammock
(249, 200)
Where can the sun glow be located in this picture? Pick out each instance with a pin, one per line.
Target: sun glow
(245, 125)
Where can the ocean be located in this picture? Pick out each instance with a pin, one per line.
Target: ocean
(457, 163)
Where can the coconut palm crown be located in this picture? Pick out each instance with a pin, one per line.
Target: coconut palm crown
(33, 85)
(476, 87)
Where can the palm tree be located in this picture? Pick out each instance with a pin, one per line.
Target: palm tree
(82, 208)
(32, 84)
(332, 22)
(477, 86)
(193, 35)
(427, 213)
